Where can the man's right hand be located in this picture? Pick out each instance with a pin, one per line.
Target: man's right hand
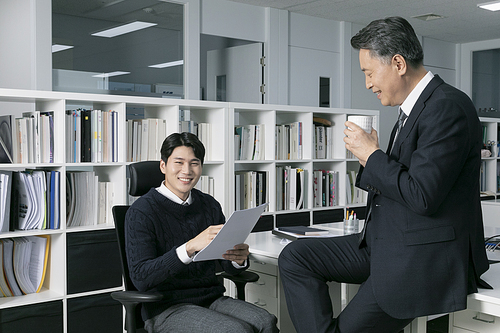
(203, 239)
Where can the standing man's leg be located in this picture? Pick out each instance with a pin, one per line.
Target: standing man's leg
(306, 265)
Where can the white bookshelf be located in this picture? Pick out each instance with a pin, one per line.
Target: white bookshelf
(220, 164)
(491, 165)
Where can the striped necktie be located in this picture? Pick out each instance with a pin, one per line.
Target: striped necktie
(401, 120)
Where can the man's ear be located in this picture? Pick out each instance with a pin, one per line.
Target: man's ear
(400, 63)
(163, 167)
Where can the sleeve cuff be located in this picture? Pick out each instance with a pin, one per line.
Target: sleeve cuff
(235, 264)
(182, 254)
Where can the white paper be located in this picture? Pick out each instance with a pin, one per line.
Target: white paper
(235, 231)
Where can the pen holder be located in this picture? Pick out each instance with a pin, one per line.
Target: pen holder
(351, 226)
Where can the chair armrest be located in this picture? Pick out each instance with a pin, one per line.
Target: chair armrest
(136, 296)
(240, 281)
(243, 277)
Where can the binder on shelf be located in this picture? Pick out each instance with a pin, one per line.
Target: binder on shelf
(27, 269)
(5, 198)
(8, 266)
(7, 139)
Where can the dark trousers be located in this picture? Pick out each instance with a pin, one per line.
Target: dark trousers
(306, 265)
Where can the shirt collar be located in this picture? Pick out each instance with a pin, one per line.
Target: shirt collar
(170, 195)
(412, 98)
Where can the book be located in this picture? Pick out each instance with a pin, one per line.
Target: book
(294, 236)
(86, 122)
(305, 230)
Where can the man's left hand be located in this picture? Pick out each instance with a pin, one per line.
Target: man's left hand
(238, 254)
(360, 143)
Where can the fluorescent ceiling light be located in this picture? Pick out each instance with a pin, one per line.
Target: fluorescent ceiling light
(493, 6)
(168, 64)
(60, 47)
(111, 74)
(124, 29)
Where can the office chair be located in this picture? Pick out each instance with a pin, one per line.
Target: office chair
(143, 176)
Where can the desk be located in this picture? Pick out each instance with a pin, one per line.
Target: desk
(268, 292)
(483, 308)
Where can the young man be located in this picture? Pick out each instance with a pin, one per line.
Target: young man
(422, 249)
(164, 229)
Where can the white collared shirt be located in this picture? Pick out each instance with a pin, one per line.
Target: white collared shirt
(412, 98)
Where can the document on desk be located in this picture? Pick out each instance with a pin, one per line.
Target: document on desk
(235, 231)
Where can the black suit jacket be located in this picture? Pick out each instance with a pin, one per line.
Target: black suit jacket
(425, 229)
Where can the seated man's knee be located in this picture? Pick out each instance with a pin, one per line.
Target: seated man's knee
(289, 255)
(235, 326)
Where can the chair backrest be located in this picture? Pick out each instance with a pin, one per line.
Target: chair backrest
(119, 217)
(143, 176)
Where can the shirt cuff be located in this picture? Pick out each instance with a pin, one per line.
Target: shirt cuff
(182, 254)
(236, 265)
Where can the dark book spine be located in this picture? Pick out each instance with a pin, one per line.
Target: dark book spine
(86, 136)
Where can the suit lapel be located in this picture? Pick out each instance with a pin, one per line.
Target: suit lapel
(415, 113)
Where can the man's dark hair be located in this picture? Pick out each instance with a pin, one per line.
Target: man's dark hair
(175, 140)
(387, 37)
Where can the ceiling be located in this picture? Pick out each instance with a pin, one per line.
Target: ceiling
(463, 21)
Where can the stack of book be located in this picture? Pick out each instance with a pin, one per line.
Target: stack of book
(144, 138)
(288, 143)
(28, 139)
(326, 188)
(289, 188)
(206, 185)
(249, 142)
(30, 200)
(250, 189)
(23, 264)
(354, 195)
(88, 201)
(91, 136)
(323, 138)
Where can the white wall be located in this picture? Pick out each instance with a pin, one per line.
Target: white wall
(25, 39)
(312, 58)
(233, 20)
(440, 58)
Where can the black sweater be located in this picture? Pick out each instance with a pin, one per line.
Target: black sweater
(154, 227)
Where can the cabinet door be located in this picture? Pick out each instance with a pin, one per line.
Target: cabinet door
(234, 74)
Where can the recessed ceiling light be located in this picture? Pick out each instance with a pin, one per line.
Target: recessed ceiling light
(493, 6)
(124, 29)
(60, 47)
(110, 74)
(428, 17)
(168, 64)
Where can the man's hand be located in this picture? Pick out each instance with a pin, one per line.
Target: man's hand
(203, 239)
(238, 254)
(360, 143)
